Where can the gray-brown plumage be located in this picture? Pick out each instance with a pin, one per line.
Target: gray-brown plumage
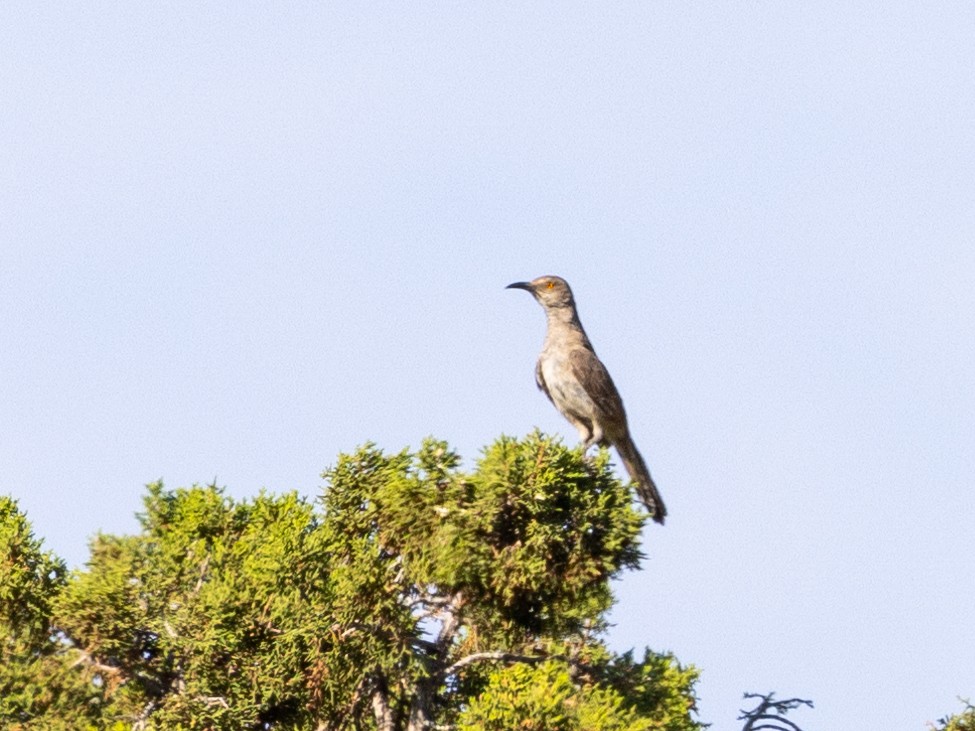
(580, 387)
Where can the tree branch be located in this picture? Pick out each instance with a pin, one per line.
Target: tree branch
(213, 700)
(509, 657)
(380, 707)
(143, 717)
(85, 659)
(770, 713)
(424, 698)
(773, 726)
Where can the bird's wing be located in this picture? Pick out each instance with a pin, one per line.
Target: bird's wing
(540, 380)
(595, 379)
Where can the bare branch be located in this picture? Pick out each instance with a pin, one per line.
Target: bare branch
(430, 600)
(204, 567)
(778, 724)
(420, 718)
(380, 707)
(143, 717)
(85, 659)
(770, 713)
(213, 700)
(509, 657)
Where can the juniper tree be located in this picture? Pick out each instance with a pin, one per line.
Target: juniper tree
(414, 594)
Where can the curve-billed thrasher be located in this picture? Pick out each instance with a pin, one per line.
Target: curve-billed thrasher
(577, 382)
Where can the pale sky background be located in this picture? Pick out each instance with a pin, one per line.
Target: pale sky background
(237, 239)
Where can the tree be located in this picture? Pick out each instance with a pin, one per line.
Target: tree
(33, 675)
(414, 595)
(964, 721)
(654, 694)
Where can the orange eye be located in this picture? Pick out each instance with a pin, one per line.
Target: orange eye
(550, 285)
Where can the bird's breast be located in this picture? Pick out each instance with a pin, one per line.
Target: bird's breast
(564, 388)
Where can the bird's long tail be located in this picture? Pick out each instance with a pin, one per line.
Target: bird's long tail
(645, 487)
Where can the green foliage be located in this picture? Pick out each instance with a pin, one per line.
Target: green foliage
(210, 618)
(530, 538)
(30, 581)
(388, 606)
(29, 577)
(964, 721)
(658, 687)
(545, 698)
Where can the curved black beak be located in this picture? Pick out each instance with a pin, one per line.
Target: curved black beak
(527, 286)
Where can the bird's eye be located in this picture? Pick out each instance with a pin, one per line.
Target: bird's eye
(550, 285)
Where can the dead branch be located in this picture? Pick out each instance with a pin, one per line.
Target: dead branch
(508, 657)
(770, 713)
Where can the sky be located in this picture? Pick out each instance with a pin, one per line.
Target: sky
(237, 239)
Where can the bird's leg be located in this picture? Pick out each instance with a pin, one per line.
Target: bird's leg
(590, 438)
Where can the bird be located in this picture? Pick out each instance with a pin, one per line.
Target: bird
(579, 386)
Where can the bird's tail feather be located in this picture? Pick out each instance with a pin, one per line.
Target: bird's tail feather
(645, 487)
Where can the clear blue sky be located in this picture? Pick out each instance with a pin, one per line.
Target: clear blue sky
(237, 239)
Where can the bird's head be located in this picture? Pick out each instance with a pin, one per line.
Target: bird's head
(550, 291)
